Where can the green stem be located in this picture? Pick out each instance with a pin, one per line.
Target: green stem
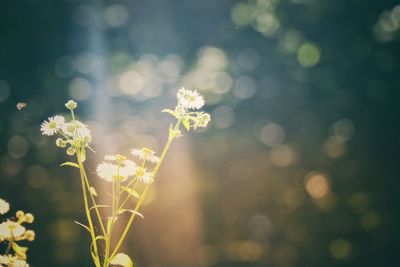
(9, 247)
(145, 191)
(73, 114)
(94, 202)
(116, 184)
(95, 254)
(129, 195)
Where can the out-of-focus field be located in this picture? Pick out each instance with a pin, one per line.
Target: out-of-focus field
(298, 167)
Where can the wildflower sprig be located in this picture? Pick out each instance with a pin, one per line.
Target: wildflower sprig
(188, 101)
(74, 135)
(129, 179)
(13, 231)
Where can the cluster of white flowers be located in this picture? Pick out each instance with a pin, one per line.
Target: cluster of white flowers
(130, 181)
(12, 261)
(10, 229)
(74, 133)
(190, 99)
(187, 101)
(120, 168)
(13, 231)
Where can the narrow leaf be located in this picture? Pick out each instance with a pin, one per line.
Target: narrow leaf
(20, 251)
(186, 123)
(99, 206)
(170, 111)
(72, 164)
(131, 192)
(122, 259)
(84, 226)
(132, 211)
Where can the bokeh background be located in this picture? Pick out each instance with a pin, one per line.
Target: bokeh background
(299, 166)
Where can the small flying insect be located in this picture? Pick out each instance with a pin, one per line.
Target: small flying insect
(21, 105)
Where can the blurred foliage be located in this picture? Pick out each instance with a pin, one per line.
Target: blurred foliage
(300, 164)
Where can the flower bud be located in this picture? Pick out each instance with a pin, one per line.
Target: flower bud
(20, 214)
(61, 143)
(71, 105)
(30, 235)
(29, 218)
(71, 151)
(202, 120)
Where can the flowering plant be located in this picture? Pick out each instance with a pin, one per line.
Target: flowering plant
(13, 231)
(130, 181)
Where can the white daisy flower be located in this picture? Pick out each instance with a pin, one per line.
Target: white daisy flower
(4, 206)
(145, 154)
(51, 126)
(128, 169)
(10, 229)
(13, 261)
(147, 178)
(190, 99)
(77, 129)
(108, 171)
(144, 176)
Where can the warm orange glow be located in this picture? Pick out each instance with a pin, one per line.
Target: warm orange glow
(317, 185)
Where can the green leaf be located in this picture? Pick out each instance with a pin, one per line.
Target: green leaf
(91, 149)
(186, 123)
(72, 164)
(93, 191)
(20, 251)
(122, 260)
(174, 133)
(99, 206)
(92, 251)
(84, 226)
(132, 211)
(131, 192)
(100, 237)
(170, 111)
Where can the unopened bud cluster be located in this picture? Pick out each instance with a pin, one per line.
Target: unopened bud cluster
(13, 231)
(73, 135)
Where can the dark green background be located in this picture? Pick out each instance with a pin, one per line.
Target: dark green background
(357, 78)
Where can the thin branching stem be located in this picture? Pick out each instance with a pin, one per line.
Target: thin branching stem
(94, 203)
(145, 191)
(95, 254)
